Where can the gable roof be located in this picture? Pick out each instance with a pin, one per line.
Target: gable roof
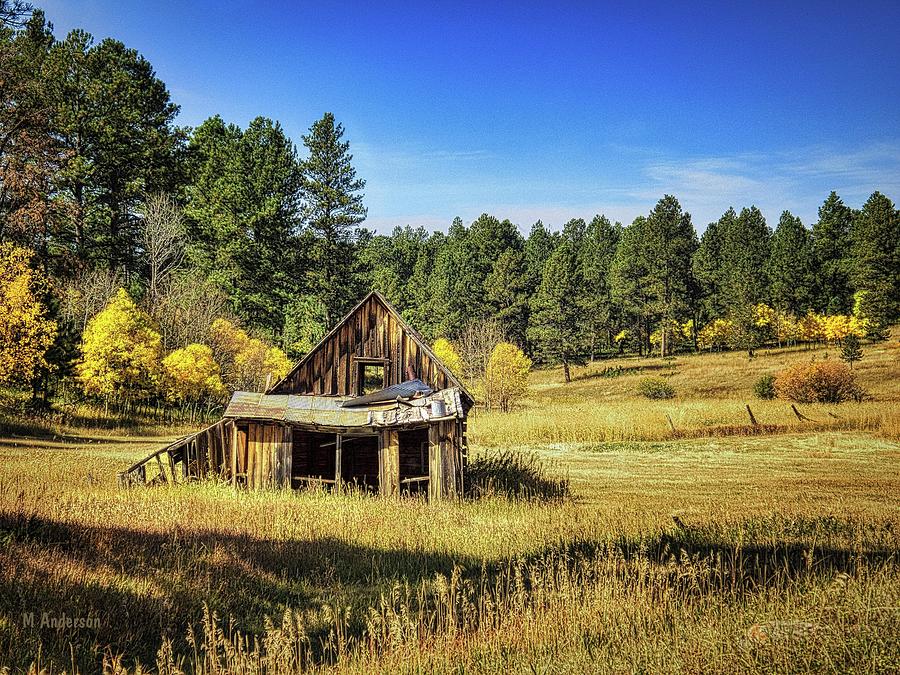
(413, 334)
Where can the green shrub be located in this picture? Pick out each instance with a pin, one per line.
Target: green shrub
(764, 387)
(822, 382)
(655, 388)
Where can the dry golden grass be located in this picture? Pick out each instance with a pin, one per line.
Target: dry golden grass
(712, 391)
(721, 553)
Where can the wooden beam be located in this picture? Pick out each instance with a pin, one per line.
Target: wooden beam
(287, 452)
(435, 466)
(337, 460)
(389, 469)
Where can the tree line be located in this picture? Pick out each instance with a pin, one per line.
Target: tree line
(106, 192)
(654, 284)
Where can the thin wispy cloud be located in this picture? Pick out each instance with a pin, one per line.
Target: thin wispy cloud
(431, 187)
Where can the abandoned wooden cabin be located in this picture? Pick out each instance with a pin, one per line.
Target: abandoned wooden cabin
(370, 405)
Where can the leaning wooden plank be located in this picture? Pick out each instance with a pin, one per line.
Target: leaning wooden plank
(162, 471)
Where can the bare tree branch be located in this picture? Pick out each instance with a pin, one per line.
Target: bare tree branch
(162, 239)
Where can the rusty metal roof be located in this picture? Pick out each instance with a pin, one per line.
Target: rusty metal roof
(328, 411)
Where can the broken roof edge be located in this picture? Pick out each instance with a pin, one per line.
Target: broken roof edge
(317, 411)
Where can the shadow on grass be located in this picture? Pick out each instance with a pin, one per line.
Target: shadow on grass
(141, 586)
(620, 371)
(515, 475)
(144, 585)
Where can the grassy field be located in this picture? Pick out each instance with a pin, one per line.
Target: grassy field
(719, 546)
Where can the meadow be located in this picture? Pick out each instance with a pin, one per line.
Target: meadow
(691, 540)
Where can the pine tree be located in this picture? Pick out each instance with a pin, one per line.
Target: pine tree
(538, 248)
(831, 243)
(334, 202)
(504, 289)
(456, 289)
(670, 242)
(595, 259)
(746, 246)
(851, 350)
(875, 259)
(114, 121)
(628, 276)
(708, 267)
(555, 318)
(243, 217)
(790, 266)
(651, 272)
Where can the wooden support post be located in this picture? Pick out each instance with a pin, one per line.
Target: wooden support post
(435, 464)
(389, 469)
(337, 462)
(752, 418)
(223, 467)
(171, 466)
(251, 455)
(286, 458)
(162, 472)
(450, 452)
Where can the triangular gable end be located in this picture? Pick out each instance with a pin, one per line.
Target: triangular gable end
(372, 333)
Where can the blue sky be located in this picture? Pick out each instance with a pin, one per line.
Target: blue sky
(548, 110)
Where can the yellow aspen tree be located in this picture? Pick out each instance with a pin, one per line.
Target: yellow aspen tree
(26, 332)
(191, 375)
(506, 376)
(246, 362)
(121, 352)
(447, 353)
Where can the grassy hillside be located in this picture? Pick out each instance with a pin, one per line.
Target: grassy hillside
(729, 550)
(601, 404)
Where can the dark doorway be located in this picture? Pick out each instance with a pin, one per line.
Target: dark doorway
(313, 457)
(414, 460)
(359, 461)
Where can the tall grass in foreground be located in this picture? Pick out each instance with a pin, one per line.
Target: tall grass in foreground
(600, 607)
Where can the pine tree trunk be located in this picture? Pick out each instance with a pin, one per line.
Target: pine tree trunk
(566, 372)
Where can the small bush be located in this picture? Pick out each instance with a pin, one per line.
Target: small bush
(822, 382)
(764, 387)
(516, 475)
(655, 388)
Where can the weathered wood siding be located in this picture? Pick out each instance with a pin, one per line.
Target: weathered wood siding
(263, 455)
(373, 331)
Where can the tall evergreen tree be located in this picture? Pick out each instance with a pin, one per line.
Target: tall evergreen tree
(505, 292)
(419, 313)
(628, 276)
(708, 267)
(595, 259)
(746, 245)
(334, 202)
(875, 259)
(538, 248)
(243, 217)
(831, 244)
(114, 121)
(456, 287)
(651, 273)
(670, 244)
(790, 267)
(555, 322)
